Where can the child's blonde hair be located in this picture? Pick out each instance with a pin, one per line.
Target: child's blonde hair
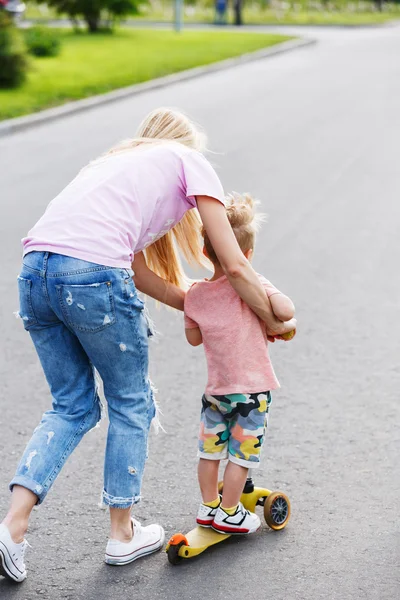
(167, 124)
(244, 220)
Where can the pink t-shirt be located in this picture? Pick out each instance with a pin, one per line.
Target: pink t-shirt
(122, 203)
(234, 338)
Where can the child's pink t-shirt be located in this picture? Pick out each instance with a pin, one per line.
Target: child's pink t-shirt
(234, 338)
(121, 204)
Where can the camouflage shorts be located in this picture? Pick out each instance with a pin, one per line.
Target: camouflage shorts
(233, 426)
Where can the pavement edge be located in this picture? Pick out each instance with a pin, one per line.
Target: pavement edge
(10, 126)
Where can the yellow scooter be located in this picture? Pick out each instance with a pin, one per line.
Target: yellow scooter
(276, 514)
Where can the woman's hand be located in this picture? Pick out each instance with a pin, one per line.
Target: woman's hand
(235, 265)
(152, 285)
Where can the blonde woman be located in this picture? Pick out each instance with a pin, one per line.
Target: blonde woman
(78, 300)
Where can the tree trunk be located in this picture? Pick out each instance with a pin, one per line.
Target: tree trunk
(379, 5)
(93, 21)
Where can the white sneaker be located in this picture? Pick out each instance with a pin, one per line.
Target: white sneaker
(242, 521)
(206, 515)
(11, 556)
(145, 540)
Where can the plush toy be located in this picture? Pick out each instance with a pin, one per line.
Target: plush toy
(288, 335)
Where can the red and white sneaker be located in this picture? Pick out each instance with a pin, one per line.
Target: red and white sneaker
(241, 522)
(206, 515)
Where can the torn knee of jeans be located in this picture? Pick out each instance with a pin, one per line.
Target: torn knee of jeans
(30, 458)
(131, 470)
(122, 347)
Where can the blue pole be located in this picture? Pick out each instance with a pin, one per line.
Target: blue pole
(178, 15)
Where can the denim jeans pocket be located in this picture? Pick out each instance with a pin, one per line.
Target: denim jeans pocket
(89, 308)
(26, 312)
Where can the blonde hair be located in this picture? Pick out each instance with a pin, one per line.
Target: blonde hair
(244, 220)
(165, 124)
(170, 125)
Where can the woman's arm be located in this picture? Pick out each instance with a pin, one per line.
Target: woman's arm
(152, 285)
(236, 267)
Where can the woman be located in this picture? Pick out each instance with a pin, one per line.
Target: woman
(80, 305)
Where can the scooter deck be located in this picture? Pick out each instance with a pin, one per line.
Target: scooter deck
(197, 540)
(203, 537)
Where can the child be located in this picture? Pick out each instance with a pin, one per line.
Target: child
(236, 403)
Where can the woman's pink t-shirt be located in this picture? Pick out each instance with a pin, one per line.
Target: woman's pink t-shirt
(121, 204)
(234, 338)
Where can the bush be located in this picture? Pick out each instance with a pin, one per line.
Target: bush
(13, 61)
(42, 41)
(94, 11)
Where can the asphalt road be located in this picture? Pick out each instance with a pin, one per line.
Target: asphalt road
(315, 134)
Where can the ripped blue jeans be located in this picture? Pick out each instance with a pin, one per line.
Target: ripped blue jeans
(81, 317)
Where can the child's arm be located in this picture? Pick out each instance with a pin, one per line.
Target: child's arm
(194, 336)
(152, 285)
(282, 307)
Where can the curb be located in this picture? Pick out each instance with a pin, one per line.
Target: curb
(10, 126)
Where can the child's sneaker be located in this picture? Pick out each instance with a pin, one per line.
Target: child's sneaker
(11, 556)
(242, 521)
(206, 515)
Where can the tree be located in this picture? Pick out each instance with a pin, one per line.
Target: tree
(13, 62)
(92, 11)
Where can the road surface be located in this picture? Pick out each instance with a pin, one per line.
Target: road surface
(315, 135)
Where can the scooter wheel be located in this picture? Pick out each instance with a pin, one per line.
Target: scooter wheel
(173, 553)
(277, 510)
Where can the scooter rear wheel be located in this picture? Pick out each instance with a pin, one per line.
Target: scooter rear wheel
(277, 510)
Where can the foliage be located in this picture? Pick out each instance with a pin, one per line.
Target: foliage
(42, 41)
(13, 62)
(92, 11)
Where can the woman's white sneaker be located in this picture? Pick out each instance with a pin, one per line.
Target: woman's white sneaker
(11, 556)
(145, 540)
(241, 522)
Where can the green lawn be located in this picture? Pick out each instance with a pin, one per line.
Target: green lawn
(92, 64)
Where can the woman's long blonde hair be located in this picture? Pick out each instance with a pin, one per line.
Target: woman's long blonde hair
(162, 257)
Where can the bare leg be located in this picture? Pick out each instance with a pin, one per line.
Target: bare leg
(22, 503)
(121, 525)
(208, 479)
(234, 480)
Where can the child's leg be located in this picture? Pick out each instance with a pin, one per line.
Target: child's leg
(234, 480)
(208, 479)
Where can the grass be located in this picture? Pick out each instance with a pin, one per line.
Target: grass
(293, 12)
(92, 64)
